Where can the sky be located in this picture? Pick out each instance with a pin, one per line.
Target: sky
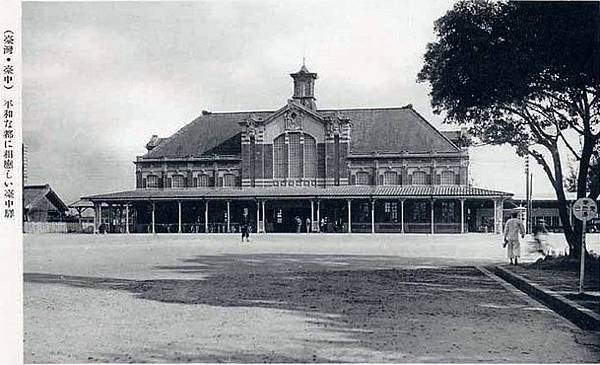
(101, 77)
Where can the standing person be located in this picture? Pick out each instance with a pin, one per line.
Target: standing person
(539, 231)
(307, 225)
(245, 225)
(512, 230)
(298, 224)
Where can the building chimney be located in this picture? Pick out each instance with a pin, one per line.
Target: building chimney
(154, 141)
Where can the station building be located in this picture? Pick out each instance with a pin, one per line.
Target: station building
(301, 167)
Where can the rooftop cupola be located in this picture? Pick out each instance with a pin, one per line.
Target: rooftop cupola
(304, 87)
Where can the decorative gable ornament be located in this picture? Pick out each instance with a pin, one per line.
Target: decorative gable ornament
(335, 125)
(293, 120)
(250, 124)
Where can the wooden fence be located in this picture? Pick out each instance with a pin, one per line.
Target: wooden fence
(45, 227)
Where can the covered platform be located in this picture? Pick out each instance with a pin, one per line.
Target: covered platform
(350, 208)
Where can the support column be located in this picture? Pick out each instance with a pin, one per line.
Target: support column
(206, 216)
(153, 221)
(110, 219)
(402, 215)
(349, 216)
(264, 228)
(495, 216)
(179, 217)
(79, 219)
(462, 216)
(318, 216)
(100, 217)
(127, 218)
(312, 215)
(432, 216)
(373, 216)
(498, 215)
(228, 217)
(257, 216)
(96, 225)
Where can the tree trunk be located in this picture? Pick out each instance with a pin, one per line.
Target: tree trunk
(582, 181)
(571, 233)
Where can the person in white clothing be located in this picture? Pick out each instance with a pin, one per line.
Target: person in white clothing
(513, 228)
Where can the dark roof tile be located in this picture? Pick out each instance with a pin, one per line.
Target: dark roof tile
(374, 130)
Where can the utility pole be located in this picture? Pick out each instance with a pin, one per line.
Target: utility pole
(24, 162)
(530, 204)
(527, 195)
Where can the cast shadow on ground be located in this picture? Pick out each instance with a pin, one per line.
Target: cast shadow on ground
(361, 300)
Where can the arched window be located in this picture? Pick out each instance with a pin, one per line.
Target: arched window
(229, 180)
(203, 180)
(177, 181)
(362, 178)
(390, 178)
(152, 182)
(310, 156)
(448, 178)
(280, 160)
(419, 178)
(294, 159)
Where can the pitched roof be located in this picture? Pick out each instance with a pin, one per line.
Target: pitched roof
(210, 133)
(399, 129)
(364, 191)
(34, 194)
(393, 130)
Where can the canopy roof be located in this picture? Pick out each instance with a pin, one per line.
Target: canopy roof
(334, 192)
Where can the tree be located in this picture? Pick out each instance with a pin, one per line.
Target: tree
(593, 174)
(526, 74)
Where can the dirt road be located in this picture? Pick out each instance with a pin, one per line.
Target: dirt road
(182, 301)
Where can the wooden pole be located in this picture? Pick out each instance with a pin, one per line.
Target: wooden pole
(432, 216)
(373, 216)
(206, 216)
(462, 216)
(228, 217)
(127, 218)
(349, 202)
(402, 215)
(153, 220)
(179, 217)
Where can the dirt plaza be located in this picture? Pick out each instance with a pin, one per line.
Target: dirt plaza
(284, 298)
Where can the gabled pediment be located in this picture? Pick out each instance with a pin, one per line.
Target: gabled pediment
(292, 113)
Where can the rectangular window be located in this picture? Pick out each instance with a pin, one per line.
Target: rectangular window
(419, 211)
(203, 180)
(447, 212)
(295, 151)
(177, 181)
(310, 157)
(448, 178)
(229, 180)
(362, 178)
(390, 178)
(152, 182)
(419, 178)
(280, 159)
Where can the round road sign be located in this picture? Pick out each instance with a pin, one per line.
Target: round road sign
(585, 209)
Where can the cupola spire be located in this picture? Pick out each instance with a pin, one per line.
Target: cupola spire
(304, 86)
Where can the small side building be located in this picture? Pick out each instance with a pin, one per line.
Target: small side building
(43, 210)
(42, 204)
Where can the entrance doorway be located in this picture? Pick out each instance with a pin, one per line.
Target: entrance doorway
(281, 215)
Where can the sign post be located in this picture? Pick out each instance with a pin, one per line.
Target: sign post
(584, 209)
